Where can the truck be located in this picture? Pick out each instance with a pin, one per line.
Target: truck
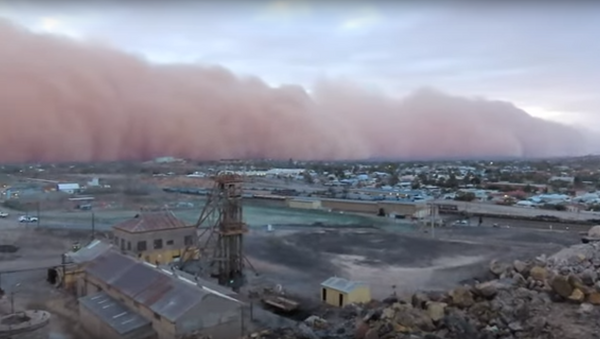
(27, 219)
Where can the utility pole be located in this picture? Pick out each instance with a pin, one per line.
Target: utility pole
(93, 226)
(12, 302)
(432, 219)
(38, 214)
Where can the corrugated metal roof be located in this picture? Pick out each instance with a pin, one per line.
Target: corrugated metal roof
(109, 267)
(113, 313)
(164, 293)
(151, 221)
(89, 252)
(341, 284)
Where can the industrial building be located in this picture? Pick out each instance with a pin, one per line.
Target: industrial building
(340, 292)
(107, 318)
(156, 237)
(399, 209)
(73, 263)
(123, 297)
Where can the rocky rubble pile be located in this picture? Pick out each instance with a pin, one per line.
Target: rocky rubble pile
(544, 298)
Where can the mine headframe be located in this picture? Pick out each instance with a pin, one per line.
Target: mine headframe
(221, 232)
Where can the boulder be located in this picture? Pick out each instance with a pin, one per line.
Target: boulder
(520, 266)
(497, 268)
(538, 273)
(461, 297)
(594, 298)
(372, 334)
(388, 313)
(413, 318)
(519, 280)
(419, 300)
(594, 232)
(489, 289)
(588, 277)
(576, 282)
(436, 310)
(561, 286)
(577, 296)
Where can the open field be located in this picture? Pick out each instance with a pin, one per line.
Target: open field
(301, 259)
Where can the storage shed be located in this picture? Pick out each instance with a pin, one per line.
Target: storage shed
(109, 319)
(340, 292)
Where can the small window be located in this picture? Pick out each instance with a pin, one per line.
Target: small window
(158, 244)
(156, 316)
(188, 240)
(129, 245)
(170, 242)
(141, 246)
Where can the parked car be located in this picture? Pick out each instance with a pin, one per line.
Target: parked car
(25, 218)
(3, 214)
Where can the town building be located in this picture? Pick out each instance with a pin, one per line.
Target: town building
(340, 292)
(399, 209)
(156, 237)
(123, 297)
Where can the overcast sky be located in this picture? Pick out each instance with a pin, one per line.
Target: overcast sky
(544, 59)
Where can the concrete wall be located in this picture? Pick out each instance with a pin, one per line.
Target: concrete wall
(38, 327)
(303, 204)
(350, 206)
(128, 242)
(408, 209)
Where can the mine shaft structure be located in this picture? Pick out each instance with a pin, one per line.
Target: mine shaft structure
(221, 232)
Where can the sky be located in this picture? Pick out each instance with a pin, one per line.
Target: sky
(461, 68)
(544, 59)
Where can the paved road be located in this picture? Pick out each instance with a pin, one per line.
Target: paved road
(541, 225)
(489, 208)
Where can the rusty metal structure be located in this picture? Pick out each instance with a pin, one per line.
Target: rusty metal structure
(221, 231)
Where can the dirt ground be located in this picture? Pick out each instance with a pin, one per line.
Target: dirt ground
(23, 275)
(300, 260)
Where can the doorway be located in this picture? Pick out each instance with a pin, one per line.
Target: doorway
(324, 294)
(341, 301)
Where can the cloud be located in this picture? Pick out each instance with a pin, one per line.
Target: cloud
(62, 99)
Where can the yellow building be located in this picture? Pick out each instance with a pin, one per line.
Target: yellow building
(156, 237)
(341, 292)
